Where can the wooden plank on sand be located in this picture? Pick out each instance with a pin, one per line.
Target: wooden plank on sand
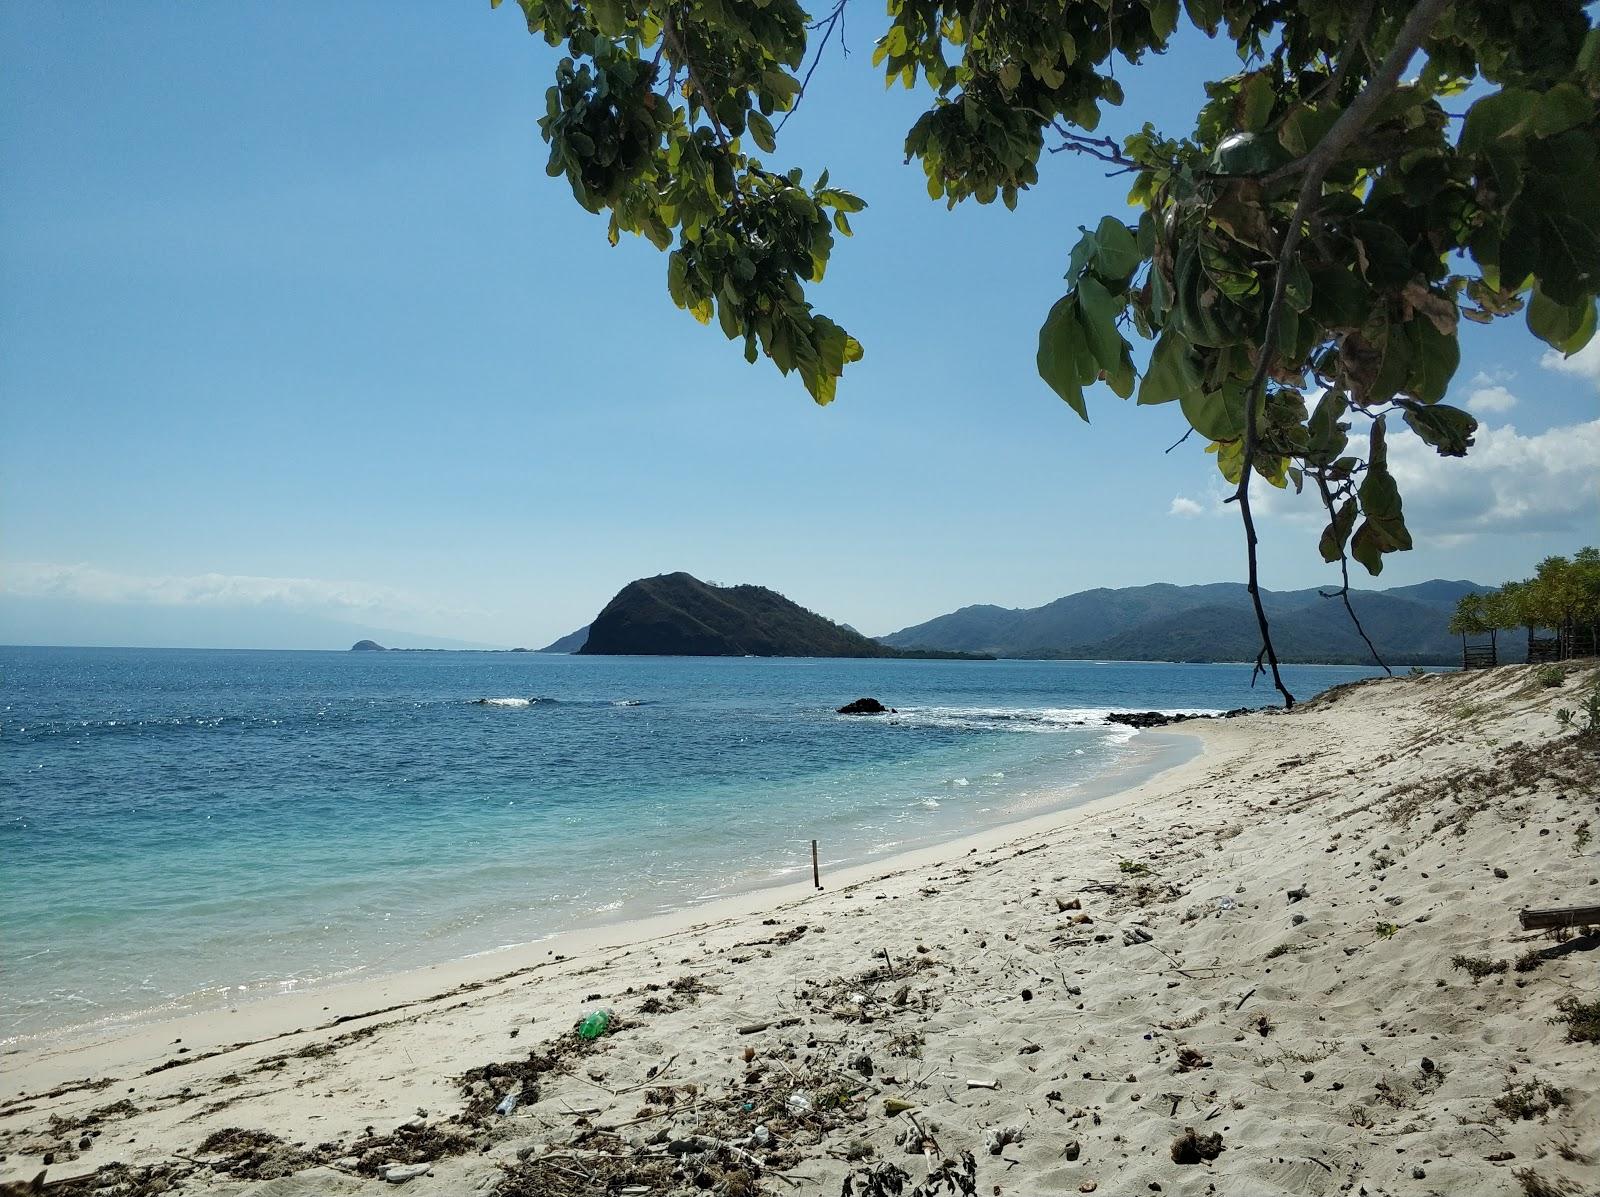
(1560, 916)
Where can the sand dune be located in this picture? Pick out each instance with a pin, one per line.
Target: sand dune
(1303, 945)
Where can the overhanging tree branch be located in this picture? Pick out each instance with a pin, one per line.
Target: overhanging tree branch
(1315, 166)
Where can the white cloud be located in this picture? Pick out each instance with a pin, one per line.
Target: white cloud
(1493, 397)
(1508, 482)
(1185, 507)
(34, 579)
(1584, 364)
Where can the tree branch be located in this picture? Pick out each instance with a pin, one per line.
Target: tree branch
(669, 35)
(1103, 148)
(1316, 165)
(1321, 475)
(834, 19)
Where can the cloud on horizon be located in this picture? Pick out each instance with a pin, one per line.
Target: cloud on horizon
(1508, 483)
(89, 583)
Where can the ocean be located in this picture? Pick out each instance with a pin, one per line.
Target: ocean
(184, 829)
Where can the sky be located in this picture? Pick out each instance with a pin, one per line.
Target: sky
(297, 339)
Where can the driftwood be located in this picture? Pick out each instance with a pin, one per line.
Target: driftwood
(1559, 916)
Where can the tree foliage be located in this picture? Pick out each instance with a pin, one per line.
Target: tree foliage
(1563, 595)
(1302, 259)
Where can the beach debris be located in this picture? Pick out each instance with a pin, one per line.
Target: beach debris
(896, 1105)
(951, 1178)
(755, 1028)
(1298, 895)
(997, 1138)
(1065, 904)
(508, 1102)
(1135, 935)
(977, 1084)
(1192, 1148)
(1226, 902)
(862, 1064)
(917, 1138)
(1071, 1151)
(398, 1174)
(801, 1102)
(596, 1023)
(865, 706)
(761, 1136)
(1190, 1059)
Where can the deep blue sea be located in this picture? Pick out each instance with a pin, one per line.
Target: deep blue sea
(184, 828)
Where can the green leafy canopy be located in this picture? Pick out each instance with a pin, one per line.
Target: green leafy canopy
(1323, 229)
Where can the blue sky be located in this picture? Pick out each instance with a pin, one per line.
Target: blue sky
(295, 329)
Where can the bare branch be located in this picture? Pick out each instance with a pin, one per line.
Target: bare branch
(1103, 148)
(834, 20)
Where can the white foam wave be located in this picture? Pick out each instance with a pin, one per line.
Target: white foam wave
(1027, 719)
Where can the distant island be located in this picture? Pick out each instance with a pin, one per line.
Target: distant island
(372, 646)
(679, 615)
(1163, 622)
(570, 643)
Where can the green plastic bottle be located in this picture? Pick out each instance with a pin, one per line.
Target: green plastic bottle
(596, 1024)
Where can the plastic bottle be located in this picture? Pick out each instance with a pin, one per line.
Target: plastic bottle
(596, 1024)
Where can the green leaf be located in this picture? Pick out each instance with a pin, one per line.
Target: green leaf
(1304, 127)
(1566, 327)
(1384, 529)
(761, 129)
(1505, 114)
(1216, 415)
(1334, 536)
(1328, 435)
(1099, 312)
(1561, 108)
(1254, 105)
(1163, 18)
(1171, 373)
(1064, 354)
(1117, 252)
(1448, 429)
(1435, 356)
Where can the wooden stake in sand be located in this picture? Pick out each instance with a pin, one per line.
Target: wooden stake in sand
(816, 872)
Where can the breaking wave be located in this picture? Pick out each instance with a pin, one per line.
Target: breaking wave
(1037, 720)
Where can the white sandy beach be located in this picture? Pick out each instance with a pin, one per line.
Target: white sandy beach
(1257, 944)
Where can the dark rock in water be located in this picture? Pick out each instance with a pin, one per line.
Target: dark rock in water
(864, 706)
(367, 646)
(1143, 719)
(1147, 718)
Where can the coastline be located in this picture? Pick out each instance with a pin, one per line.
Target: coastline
(326, 1003)
(1263, 943)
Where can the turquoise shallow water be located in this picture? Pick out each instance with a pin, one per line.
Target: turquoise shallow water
(181, 828)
